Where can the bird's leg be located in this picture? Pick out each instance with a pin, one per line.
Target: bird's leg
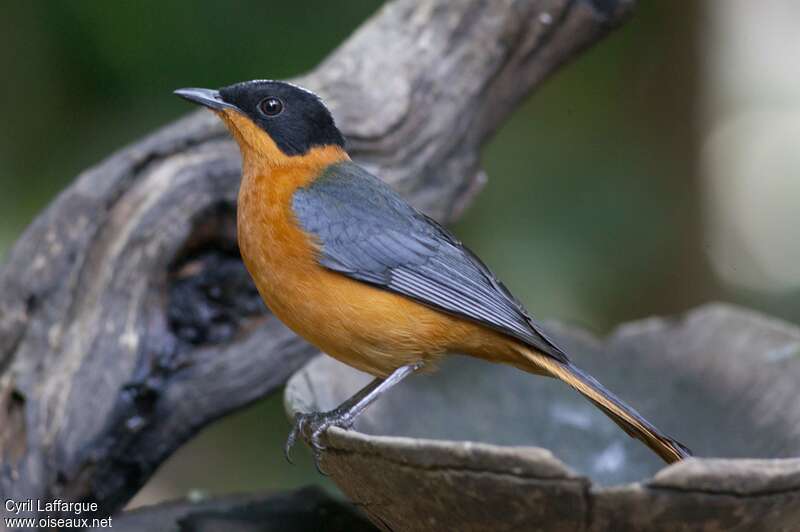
(345, 414)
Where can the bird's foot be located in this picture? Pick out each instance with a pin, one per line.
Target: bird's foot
(312, 426)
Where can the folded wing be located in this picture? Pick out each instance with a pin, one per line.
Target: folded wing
(367, 232)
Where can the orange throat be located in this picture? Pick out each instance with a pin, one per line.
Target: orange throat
(262, 157)
(276, 251)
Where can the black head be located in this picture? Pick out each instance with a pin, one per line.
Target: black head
(295, 118)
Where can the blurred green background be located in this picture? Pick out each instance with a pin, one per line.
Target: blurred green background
(597, 209)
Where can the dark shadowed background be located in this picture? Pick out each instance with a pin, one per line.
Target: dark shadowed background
(657, 172)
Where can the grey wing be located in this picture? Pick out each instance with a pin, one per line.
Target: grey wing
(367, 232)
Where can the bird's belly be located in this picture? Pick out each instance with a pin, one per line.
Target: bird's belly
(368, 328)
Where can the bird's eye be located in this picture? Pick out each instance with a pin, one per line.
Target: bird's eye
(271, 106)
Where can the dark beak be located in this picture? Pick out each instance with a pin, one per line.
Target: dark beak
(207, 97)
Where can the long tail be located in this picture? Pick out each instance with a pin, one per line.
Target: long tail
(627, 418)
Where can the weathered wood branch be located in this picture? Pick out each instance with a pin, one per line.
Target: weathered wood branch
(127, 321)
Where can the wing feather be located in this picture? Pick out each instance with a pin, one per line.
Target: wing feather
(367, 232)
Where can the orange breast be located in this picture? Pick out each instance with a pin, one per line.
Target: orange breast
(371, 329)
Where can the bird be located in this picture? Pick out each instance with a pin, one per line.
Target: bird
(347, 264)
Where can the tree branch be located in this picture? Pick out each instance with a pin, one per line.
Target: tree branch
(127, 321)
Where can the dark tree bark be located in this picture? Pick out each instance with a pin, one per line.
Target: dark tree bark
(127, 321)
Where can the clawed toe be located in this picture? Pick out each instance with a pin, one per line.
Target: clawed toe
(297, 428)
(311, 427)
